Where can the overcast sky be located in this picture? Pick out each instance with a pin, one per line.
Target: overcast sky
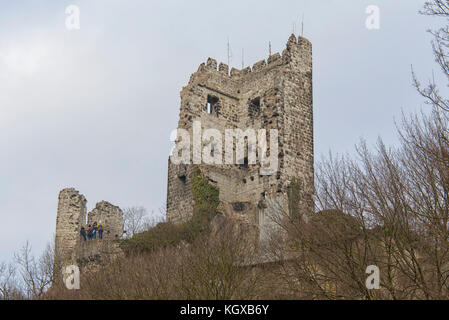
(93, 108)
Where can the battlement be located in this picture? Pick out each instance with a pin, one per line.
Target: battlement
(301, 44)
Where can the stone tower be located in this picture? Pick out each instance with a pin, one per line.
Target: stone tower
(71, 216)
(274, 94)
(70, 249)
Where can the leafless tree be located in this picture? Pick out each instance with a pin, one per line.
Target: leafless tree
(36, 274)
(440, 46)
(9, 289)
(137, 219)
(389, 208)
(214, 266)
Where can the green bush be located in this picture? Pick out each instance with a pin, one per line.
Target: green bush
(166, 234)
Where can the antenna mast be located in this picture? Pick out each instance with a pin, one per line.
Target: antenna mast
(269, 48)
(302, 31)
(229, 53)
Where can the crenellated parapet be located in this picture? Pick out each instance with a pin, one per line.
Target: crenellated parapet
(296, 46)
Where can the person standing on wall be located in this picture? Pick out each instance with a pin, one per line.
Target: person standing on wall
(94, 230)
(89, 233)
(83, 234)
(100, 230)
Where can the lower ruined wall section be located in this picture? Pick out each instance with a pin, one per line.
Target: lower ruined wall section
(179, 192)
(70, 248)
(251, 200)
(93, 254)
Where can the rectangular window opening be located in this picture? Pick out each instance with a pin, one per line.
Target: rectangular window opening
(256, 103)
(211, 106)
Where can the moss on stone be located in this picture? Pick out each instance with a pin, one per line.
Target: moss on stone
(205, 195)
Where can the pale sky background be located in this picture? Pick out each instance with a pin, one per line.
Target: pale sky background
(93, 108)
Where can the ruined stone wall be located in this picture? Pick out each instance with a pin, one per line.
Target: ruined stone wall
(179, 191)
(110, 216)
(70, 217)
(273, 94)
(93, 254)
(70, 248)
(297, 137)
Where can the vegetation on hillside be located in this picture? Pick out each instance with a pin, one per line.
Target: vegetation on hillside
(206, 200)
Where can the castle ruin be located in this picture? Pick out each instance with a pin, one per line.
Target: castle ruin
(274, 94)
(70, 248)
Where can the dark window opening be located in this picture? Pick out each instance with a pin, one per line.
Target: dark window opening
(238, 206)
(256, 102)
(254, 107)
(245, 162)
(211, 106)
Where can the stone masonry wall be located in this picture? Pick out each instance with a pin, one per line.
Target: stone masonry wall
(110, 216)
(273, 94)
(70, 217)
(70, 248)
